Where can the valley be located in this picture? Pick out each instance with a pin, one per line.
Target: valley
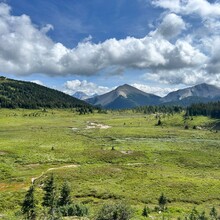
(131, 160)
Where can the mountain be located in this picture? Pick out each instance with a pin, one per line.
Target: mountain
(199, 93)
(21, 94)
(83, 96)
(124, 97)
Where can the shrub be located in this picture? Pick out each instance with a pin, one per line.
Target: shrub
(145, 211)
(186, 127)
(117, 211)
(162, 202)
(73, 210)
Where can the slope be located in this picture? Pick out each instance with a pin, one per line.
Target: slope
(124, 97)
(21, 94)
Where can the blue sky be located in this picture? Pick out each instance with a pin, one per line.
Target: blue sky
(93, 46)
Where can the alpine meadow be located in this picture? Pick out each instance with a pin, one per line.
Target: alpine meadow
(110, 110)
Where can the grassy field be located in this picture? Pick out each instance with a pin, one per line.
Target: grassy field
(130, 159)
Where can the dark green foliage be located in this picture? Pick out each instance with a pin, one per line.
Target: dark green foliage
(117, 211)
(73, 210)
(28, 205)
(20, 94)
(49, 199)
(186, 127)
(213, 213)
(159, 109)
(162, 201)
(65, 198)
(210, 109)
(202, 216)
(159, 122)
(145, 212)
(194, 215)
(85, 110)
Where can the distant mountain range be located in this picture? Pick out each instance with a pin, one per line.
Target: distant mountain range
(127, 96)
(203, 90)
(21, 94)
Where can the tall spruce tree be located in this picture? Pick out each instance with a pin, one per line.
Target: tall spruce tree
(145, 212)
(49, 199)
(65, 198)
(28, 205)
(213, 213)
(162, 202)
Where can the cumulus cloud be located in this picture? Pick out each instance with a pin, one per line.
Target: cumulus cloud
(160, 91)
(171, 26)
(89, 88)
(187, 77)
(39, 82)
(27, 49)
(202, 8)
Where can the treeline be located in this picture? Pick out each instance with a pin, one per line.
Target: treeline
(159, 109)
(211, 109)
(20, 94)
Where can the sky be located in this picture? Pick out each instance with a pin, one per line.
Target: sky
(94, 46)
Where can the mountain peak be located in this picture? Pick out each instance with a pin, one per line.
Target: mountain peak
(201, 91)
(125, 86)
(124, 96)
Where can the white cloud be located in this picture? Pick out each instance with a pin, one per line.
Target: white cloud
(89, 88)
(38, 82)
(202, 8)
(171, 26)
(173, 5)
(160, 91)
(26, 49)
(187, 77)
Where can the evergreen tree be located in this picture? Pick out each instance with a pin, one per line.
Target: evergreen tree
(65, 198)
(159, 122)
(49, 199)
(202, 216)
(162, 202)
(145, 212)
(213, 213)
(28, 205)
(194, 215)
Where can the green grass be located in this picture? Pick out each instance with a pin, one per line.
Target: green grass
(146, 161)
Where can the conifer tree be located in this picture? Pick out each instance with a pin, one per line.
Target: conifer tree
(162, 202)
(28, 205)
(65, 198)
(145, 212)
(213, 213)
(49, 199)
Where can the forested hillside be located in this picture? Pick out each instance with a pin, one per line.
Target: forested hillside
(211, 109)
(20, 94)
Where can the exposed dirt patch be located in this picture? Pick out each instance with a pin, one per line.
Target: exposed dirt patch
(127, 152)
(33, 165)
(53, 168)
(3, 153)
(74, 129)
(92, 125)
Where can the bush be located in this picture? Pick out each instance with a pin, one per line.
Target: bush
(186, 127)
(74, 210)
(117, 211)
